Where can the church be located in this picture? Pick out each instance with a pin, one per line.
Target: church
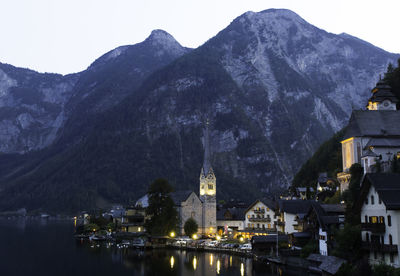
(202, 208)
(372, 137)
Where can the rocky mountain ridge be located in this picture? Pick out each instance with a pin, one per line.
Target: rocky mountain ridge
(273, 87)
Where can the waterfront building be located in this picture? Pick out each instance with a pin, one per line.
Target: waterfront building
(230, 220)
(372, 135)
(260, 215)
(133, 220)
(379, 206)
(290, 215)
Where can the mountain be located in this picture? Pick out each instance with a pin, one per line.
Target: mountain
(34, 107)
(31, 107)
(273, 87)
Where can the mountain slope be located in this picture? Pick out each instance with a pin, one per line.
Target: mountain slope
(31, 107)
(274, 88)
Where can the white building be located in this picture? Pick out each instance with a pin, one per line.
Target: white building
(379, 206)
(372, 134)
(260, 215)
(291, 214)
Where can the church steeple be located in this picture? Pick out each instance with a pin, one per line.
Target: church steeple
(382, 97)
(207, 177)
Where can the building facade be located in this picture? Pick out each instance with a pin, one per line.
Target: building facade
(379, 206)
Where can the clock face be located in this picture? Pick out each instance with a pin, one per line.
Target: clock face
(385, 103)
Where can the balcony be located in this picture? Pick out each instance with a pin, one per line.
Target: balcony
(297, 227)
(261, 211)
(373, 227)
(385, 248)
(260, 219)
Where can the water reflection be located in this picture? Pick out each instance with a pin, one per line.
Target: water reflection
(58, 248)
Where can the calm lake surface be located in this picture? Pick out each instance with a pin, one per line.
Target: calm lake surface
(47, 247)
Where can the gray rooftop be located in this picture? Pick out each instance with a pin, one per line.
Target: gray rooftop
(179, 196)
(295, 206)
(374, 123)
(329, 264)
(384, 142)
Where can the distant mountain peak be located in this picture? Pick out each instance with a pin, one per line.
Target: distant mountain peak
(164, 41)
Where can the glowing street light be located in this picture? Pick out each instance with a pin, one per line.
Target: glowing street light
(172, 234)
(194, 236)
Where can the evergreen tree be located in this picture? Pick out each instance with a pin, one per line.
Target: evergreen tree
(161, 210)
(190, 227)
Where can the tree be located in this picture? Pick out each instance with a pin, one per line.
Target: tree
(351, 195)
(348, 243)
(190, 227)
(161, 209)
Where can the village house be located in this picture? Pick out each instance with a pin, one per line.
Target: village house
(379, 206)
(290, 215)
(321, 221)
(372, 135)
(230, 220)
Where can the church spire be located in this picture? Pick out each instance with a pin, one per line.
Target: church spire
(207, 154)
(207, 176)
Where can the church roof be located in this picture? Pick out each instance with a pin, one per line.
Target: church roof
(382, 92)
(384, 142)
(179, 196)
(377, 123)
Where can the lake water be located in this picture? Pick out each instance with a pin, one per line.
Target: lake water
(47, 247)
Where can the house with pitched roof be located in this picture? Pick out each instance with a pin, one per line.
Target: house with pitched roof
(290, 215)
(379, 207)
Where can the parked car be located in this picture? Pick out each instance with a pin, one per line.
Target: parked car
(246, 247)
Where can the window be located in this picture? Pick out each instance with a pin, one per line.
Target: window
(258, 225)
(366, 201)
(374, 219)
(389, 220)
(366, 218)
(210, 187)
(248, 225)
(248, 216)
(372, 200)
(322, 238)
(381, 219)
(390, 239)
(379, 200)
(367, 237)
(193, 214)
(269, 225)
(263, 226)
(267, 209)
(358, 152)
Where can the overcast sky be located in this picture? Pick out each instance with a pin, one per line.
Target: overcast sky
(65, 36)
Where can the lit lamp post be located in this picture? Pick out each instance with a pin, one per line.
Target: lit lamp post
(172, 234)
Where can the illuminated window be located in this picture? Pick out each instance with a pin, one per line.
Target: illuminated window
(381, 219)
(374, 219)
(210, 187)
